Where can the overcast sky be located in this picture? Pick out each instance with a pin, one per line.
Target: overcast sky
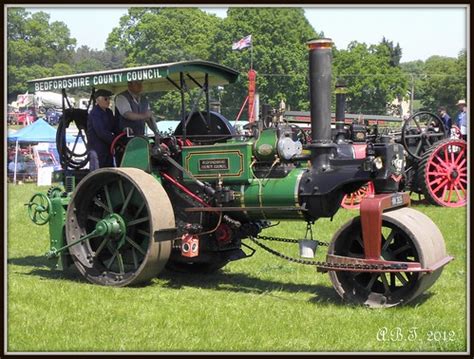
(421, 31)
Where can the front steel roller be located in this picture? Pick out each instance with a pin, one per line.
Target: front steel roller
(119, 209)
(408, 236)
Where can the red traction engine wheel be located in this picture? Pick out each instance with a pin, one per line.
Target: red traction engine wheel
(443, 173)
(352, 200)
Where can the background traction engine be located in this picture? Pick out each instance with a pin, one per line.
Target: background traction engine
(435, 164)
(190, 208)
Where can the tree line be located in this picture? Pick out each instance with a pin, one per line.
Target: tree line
(372, 73)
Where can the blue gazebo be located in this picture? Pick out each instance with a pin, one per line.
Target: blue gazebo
(38, 131)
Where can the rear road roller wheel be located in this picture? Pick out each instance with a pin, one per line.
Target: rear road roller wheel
(119, 209)
(408, 236)
(443, 173)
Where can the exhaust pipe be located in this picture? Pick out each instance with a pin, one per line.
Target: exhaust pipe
(340, 111)
(340, 105)
(320, 76)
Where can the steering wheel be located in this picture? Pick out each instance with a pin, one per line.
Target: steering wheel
(39, 208)
(420, 132)
(117, 146)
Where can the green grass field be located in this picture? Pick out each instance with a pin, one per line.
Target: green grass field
(259, 304)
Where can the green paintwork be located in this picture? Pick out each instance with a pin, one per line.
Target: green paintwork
(137, 154)
(230, 161)
(111, 225)
(271, 192)
(39, 208)
(265, 147)
(158, 178)
(57, 223)
(155, 77)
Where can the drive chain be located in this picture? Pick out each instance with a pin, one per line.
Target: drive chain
(318, 263)
(288, 240)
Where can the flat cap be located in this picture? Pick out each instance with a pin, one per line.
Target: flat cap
(102, 92)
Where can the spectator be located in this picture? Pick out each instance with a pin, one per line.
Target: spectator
(445, 118)
(133, 110)
(101, 130)
(461, 118)
(11, 165)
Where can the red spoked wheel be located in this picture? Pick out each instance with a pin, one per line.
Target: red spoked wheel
(443, 171)
(352, 201)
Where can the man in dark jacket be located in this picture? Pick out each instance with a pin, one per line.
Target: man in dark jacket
(102, 127)
(445, 118)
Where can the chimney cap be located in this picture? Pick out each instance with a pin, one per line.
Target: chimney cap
(319, 43)
(341, 83)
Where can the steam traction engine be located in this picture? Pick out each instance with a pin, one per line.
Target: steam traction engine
(435, 160)
(189, 202)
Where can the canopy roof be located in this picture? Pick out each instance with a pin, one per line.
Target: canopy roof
(155, 77)
(38, 131)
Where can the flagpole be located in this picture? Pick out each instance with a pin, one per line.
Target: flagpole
(16, 161)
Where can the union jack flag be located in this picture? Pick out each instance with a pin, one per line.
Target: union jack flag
(242, 43)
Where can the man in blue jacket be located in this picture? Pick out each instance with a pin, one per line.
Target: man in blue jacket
(102, 127)
(445, 118)
(461, 119)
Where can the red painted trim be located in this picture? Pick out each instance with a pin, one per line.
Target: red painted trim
(242, 108)
(371, 209)
(184, 189)
(360, 150)
(112, 145)
(411, 266)
(252, 75)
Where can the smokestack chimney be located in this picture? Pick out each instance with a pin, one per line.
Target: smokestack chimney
(320, 61)
(340, 111)
(340, 104)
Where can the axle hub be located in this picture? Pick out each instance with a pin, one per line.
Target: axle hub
(111, 225)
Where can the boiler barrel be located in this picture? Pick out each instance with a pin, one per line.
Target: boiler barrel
(271, 198)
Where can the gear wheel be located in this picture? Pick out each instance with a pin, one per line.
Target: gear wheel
(55, 192)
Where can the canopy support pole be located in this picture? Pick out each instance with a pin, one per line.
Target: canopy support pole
(206, 86)
(183, 106)
(16, 161)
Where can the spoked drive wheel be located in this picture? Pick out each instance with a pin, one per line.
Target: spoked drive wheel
(408, 236)
(443, 173)
(119, 209)
(420, 132)
(352, 201)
